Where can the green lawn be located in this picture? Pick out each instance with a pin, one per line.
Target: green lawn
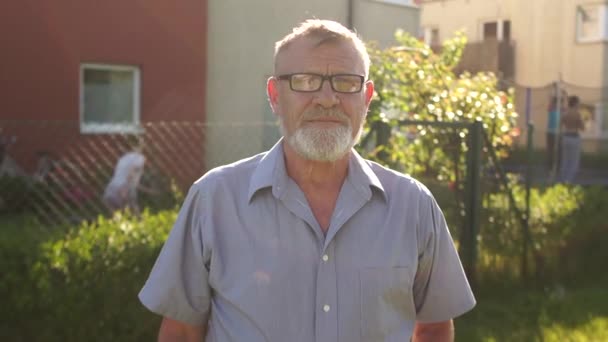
(559, 314)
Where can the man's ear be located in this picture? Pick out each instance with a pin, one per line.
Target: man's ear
(369, 92)
(273, 93)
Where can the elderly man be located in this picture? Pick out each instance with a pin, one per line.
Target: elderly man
(309, 241)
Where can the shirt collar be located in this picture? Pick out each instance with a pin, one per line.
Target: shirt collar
(362, 177)
(271, 172)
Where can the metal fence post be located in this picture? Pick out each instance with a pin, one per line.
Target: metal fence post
(473, 200)
(383, 135)
(526, 220)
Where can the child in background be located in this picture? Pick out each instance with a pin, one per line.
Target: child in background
(121, 191)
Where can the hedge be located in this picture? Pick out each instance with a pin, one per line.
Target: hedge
(79, 283)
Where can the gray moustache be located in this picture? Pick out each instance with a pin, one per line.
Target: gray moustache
(334, 114)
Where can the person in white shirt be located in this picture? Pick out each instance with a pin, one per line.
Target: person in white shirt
(121, 191)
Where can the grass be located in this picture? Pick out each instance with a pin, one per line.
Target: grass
(597, 160)
(559, 314)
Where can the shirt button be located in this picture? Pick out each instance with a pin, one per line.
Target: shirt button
(326, 308)
(325, 257)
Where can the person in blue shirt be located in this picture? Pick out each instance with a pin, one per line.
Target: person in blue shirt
(553, 145)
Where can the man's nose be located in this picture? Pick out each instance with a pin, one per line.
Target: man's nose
(326, 96)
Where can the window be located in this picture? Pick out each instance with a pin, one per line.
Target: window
(592, 23)
(431, 36)
(109, 98)
(595, 118)
(506, 30)
(490, 30)
(496, 30)
(601, 113)
(401, 2)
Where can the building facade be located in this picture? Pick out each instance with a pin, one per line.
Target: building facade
(77, 72)
(554, 44)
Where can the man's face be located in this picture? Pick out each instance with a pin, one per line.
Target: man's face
(325, 124)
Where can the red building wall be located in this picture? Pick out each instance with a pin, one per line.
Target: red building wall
(43, 43)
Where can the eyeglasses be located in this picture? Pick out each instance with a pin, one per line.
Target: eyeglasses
(308, 83)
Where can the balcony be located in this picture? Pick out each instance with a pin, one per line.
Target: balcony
(490, 56)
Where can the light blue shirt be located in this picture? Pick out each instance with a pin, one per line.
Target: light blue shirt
(247, 255)
(553, 121)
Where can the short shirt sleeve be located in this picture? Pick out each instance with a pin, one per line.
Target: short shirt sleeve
(177, 287)
(441, 289)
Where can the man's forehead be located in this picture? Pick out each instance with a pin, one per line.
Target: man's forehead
(306, 48)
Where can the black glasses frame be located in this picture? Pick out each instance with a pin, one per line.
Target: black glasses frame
(330, 78)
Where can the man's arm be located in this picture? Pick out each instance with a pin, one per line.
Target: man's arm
(176, 331)
(436, 332)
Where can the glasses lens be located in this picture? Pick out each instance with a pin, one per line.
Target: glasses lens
(347, 83)
(306, 82)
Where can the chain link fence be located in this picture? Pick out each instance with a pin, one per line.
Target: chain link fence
(534, 104)
(461, 167)
(51, 170)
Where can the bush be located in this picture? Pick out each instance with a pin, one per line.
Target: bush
(566, 224)
(14, 191)
(80, 283)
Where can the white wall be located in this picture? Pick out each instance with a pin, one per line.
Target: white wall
(241, 40)
(377, 20)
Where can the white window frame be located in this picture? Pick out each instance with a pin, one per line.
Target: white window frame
(599, 120)
(405, 3)
(596, 131)
(428, 34)
(602, 34)
(134, 126)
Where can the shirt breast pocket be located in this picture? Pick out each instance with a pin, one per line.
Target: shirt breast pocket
(387, 305)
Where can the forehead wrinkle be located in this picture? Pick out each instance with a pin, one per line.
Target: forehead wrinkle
(312, 43)
(324, 64)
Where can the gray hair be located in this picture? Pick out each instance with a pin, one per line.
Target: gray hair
(325, 31)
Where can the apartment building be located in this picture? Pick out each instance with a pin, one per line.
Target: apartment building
(536, 47)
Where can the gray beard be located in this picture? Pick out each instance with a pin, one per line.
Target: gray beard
(322, 144)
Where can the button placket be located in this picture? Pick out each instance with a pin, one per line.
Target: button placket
(327, 314)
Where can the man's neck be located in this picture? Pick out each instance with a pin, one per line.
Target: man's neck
(311, 174)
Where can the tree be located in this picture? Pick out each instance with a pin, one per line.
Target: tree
(413, 82)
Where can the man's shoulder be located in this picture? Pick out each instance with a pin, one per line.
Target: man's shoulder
(393, 180)
(237, 171)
